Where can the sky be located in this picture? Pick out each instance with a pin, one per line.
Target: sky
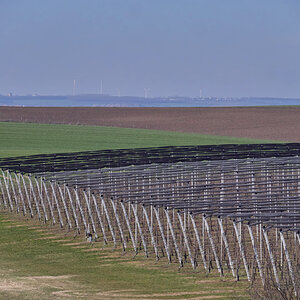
(231, 48)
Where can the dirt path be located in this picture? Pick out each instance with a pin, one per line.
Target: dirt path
(275, 123)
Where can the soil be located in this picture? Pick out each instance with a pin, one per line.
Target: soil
(272, 123)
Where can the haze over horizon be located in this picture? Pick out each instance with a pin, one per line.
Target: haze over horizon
(225, 48)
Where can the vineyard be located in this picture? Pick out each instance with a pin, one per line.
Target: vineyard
(232, 209)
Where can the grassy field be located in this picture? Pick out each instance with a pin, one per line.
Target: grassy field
(27, 138)
(38, 261)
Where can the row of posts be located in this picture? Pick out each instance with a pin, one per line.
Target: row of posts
(178, 235)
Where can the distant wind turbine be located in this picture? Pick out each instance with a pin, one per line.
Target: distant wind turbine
(200, 93)
(146, 92)
(74, 86)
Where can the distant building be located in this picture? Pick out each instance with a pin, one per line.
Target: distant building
(9, 94)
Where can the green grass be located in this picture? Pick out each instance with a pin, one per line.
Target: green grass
(24, 255)
(28, 138)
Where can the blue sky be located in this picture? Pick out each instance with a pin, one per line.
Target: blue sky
(173, 47)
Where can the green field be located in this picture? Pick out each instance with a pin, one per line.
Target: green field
(38, 261)
(27, 138)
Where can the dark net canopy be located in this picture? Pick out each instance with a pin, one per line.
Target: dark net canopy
(141, 156)
(258, 183)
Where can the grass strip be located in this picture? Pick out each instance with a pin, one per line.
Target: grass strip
(29, 138)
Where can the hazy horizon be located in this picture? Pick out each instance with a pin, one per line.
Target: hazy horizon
(171, 47)
(94, 95)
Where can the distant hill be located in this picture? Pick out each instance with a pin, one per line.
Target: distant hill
(131, 101)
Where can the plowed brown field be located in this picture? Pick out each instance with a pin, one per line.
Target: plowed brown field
(274, 123)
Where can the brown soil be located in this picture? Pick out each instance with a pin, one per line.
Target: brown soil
(273, 123)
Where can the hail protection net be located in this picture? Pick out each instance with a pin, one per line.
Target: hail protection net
(207, 203)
